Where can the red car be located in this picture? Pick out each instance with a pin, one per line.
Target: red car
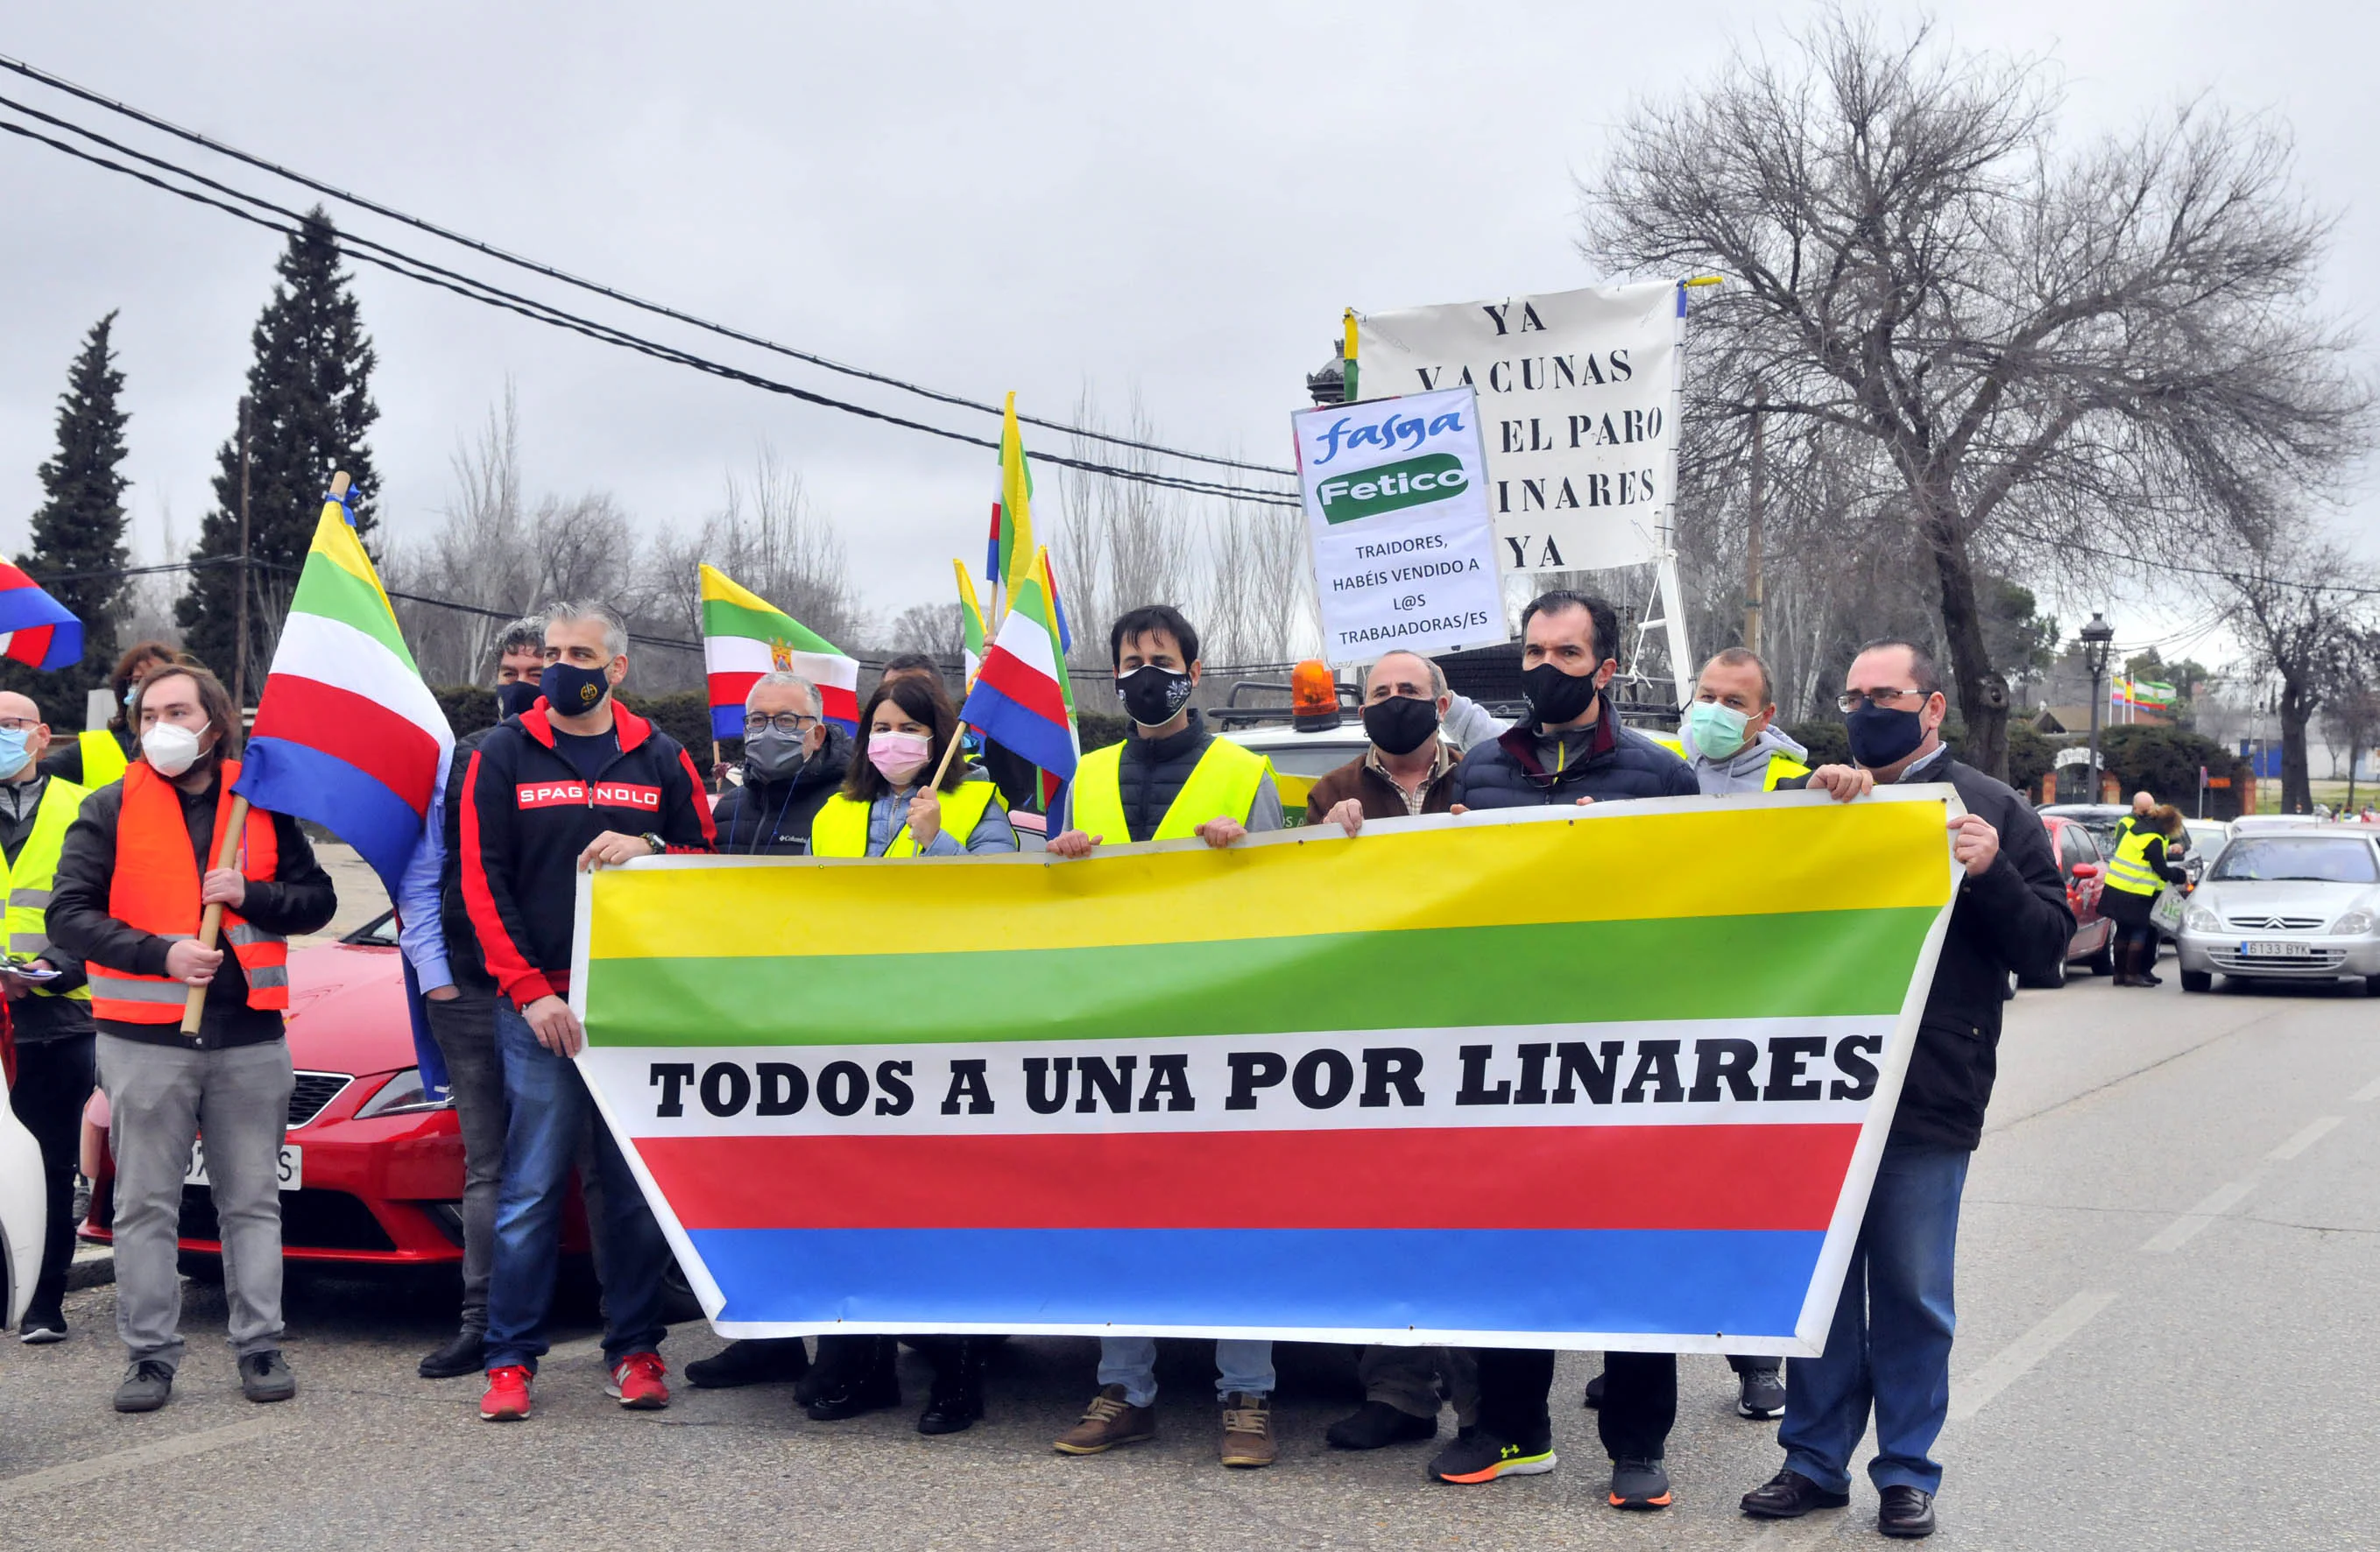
(2084, 870)
(372, 1170)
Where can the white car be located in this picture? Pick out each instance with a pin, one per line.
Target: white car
(2298, 903)
(24, 1213)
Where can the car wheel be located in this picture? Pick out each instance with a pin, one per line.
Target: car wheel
(2372, 986)
(2050, 982)
(680, 1304)
(199, 1266)
(2104, 962)
(2198, 980)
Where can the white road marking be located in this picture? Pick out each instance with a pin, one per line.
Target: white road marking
(1970, 1395)
(2369, 1091)
(2311, 1133)
(2183, 1230)
(74, 1474)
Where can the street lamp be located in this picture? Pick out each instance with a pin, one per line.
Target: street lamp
(2096, 635)
(1328, 385)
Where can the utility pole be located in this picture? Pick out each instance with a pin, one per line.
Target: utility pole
(240, 661)
(1759, 500)
(2096, 638)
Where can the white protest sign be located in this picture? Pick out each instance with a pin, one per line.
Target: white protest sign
(1580, 393)
(1396, 508)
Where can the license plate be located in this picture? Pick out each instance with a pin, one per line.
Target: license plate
(2271, 948)
(292, 1172)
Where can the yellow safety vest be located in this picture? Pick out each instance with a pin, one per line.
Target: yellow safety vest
(2128, 869)
(840, 830)
(1782, 767)
(102, 758)
(35, 873)
(1222, 784)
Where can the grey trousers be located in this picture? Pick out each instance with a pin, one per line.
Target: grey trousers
(464, 1028)
(1408, 1380)
(159, 1099)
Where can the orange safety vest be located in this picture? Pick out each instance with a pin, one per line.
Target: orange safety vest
(156, 888)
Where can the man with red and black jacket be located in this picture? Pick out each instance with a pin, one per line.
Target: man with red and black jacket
(577, 783)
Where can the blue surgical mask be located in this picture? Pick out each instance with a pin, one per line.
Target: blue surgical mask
(13, 754)
(1715, 730)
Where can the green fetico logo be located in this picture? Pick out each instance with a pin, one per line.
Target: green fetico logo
(1432, 476)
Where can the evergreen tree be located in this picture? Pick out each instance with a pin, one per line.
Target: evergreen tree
(310, 407)
(79, 530)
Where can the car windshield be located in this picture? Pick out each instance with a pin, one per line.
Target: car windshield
(2303, 858)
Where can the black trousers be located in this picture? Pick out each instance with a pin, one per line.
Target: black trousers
(53, 1081)
(1640, 1398)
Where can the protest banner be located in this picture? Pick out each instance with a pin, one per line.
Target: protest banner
(1397, 522)
(1616, 1076)
(1579, 389)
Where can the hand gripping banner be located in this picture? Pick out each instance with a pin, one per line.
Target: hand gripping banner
(1603, 1077)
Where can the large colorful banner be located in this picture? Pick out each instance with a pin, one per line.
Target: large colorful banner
(1614, 1076)
(1580, 394)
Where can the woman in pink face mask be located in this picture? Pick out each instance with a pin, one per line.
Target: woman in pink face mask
(885, 810)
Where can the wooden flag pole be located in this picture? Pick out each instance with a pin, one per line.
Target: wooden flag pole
(211, 920)
(944, 769)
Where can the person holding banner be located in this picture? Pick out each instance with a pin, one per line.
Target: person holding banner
(95, 757)
(577, 783)
(1888, 1349)
(1571, 749)
(140, 866)
(1409, 768)
(1156, 785)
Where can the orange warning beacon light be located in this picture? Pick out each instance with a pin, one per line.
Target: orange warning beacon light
(1312, 697)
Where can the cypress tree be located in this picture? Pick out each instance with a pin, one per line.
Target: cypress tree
(309, 409)
(79, 529)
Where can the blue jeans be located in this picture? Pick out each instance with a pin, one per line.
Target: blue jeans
(1889, 1346)
(1240, 1365)
(549, 1106)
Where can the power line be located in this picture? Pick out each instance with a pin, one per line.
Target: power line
(383, 256)
(331, 191)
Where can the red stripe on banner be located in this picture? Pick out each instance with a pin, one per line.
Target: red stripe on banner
(836, 704)
(1777, 1177)
(398, 754)
(731, 689)
(1027, 686)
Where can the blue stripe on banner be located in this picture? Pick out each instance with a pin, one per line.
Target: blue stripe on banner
(727, 722)
(1738, 1282)
(286, 778)
(1012, 726)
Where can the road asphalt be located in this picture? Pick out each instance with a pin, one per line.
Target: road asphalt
(2169, 1273)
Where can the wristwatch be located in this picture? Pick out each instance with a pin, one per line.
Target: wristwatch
(655, 842)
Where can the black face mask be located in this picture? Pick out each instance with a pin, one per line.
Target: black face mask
(1555, 697)
(1881, 735)
(516, 698)
(573, 692)
(1152, 694)
(1401, 723)
(773, 756)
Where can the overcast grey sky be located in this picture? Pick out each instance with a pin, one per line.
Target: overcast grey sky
(1174, 202)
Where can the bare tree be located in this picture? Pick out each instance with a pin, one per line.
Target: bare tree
(2110, 346)
(936, 629)
(2304, 612)
(1119, 543)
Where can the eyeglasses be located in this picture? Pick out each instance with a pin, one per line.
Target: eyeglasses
(17, 724)
(792, 724)
(1854, 700)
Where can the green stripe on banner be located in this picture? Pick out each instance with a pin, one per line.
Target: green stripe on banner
(722, 618)
(1813, 965)
(336, 593)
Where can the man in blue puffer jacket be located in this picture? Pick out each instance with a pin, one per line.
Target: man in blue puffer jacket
(1571, 749)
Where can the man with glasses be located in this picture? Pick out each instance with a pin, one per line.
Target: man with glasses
(793, 760)
(1888, 1349)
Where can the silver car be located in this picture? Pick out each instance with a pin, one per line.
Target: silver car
(2298, 904)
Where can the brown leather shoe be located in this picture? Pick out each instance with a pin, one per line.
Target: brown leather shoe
(1248, 1430)
(1108, 1421)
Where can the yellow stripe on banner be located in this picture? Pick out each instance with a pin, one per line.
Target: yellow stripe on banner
(1774, 858)
(335, 541)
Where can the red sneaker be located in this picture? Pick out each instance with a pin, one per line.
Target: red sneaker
(506, 1399)
(635, 1382)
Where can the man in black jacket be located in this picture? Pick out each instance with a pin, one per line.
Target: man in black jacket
(1572, 748)
(459, 997)
(1889, 1346)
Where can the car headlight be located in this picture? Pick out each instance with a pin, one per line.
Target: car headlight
(402, 1095)
(2353, 924)
(2200, 919)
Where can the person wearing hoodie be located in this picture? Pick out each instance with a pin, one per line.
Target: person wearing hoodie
(1729, 734)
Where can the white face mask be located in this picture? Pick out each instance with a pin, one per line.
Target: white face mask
(170, 748)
